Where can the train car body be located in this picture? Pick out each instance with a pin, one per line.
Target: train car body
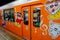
(38, 20)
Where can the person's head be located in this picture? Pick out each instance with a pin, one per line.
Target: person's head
(19, 14)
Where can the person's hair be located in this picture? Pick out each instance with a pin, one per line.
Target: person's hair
(19, 14)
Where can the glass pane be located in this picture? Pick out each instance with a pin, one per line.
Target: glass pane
(9, 15)
(36, 17)
(26, 16)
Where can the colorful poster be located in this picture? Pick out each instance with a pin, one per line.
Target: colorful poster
(18, 19)
(55, 16)
(54, 30)
(52, 8)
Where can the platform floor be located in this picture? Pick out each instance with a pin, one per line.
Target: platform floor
(4, 35)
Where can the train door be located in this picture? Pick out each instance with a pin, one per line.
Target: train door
(35, 22)
(26, 22)
(39, 22)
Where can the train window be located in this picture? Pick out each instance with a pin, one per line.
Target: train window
(9, 15)
(36, 17)
(26, 16)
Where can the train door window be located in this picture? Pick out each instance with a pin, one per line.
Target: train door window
(36, 17)
(26, 16)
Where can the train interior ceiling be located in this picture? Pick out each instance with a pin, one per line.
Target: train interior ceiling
(30, 20)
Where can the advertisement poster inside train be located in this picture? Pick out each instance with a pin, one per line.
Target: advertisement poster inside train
(9, 15)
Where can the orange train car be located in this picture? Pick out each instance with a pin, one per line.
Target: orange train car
(34, 21)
